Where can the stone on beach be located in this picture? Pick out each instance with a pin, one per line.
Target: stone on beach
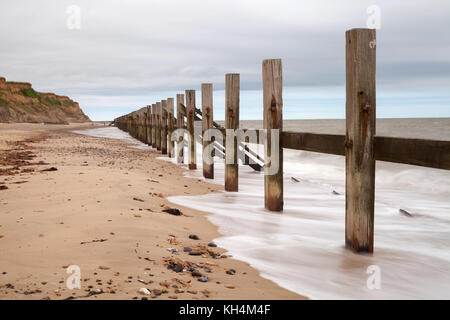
(173, 211)
(144, 291)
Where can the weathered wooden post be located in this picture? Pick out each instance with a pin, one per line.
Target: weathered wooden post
(144, 124)
(140, 124)
(246, 157)
(149, 125)
(180, 125)
(133, 132)
(136, 125)
(232, 87)
(164, 126)
(170, 118)
(273, 120)
(158, 126)
(360, 131)
(207, 123)
(190, 115)
(154, 125)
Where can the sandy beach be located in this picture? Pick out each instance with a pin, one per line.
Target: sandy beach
(69, 199)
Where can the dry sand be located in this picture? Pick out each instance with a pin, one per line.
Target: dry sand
(102, 211)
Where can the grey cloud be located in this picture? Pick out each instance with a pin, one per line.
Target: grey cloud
(135, 47)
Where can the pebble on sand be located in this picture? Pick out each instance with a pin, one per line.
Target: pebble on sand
(196, 273)
(231, 272)
(173, 211)
(144, 291)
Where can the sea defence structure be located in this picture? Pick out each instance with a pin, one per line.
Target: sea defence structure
(154, 125)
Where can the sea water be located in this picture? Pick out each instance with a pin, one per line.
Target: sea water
(302, 249)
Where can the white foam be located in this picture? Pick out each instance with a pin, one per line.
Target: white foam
(302, 249)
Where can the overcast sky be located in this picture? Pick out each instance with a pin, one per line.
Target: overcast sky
(131, 53)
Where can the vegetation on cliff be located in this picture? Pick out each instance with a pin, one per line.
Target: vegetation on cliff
(19, 102)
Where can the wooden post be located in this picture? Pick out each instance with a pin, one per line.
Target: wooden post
(139, 125)
(164, 126)
(360, 131)
(190, 114)
(158, 126)
(180, 125)
(149, 125)
(154, 125)
(170, 118)
(144, 125)
(133, 125)
(273, 120)
(246, 157)
(207, 123)
(232, 87)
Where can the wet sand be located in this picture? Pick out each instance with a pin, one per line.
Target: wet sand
(68, 199)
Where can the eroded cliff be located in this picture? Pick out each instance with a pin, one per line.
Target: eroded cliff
(19, 102)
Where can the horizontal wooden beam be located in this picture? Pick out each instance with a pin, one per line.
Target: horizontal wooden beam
(420, 152)
(315, 142)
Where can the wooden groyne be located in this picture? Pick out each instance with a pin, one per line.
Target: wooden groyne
(360, 145)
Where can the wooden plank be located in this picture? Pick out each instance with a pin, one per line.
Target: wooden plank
(207, 123)
(273, 120)
(140, 125)
(420, 152)
(164, 126)
(232, 92)
(158, 126)
(180, 125)
(170, 126)
(154, 125)
(359, 143)
(190, 115)
(149, 125)
(144, 125)
(315, 142)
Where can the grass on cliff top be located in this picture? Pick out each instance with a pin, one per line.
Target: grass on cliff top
(29, 93)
